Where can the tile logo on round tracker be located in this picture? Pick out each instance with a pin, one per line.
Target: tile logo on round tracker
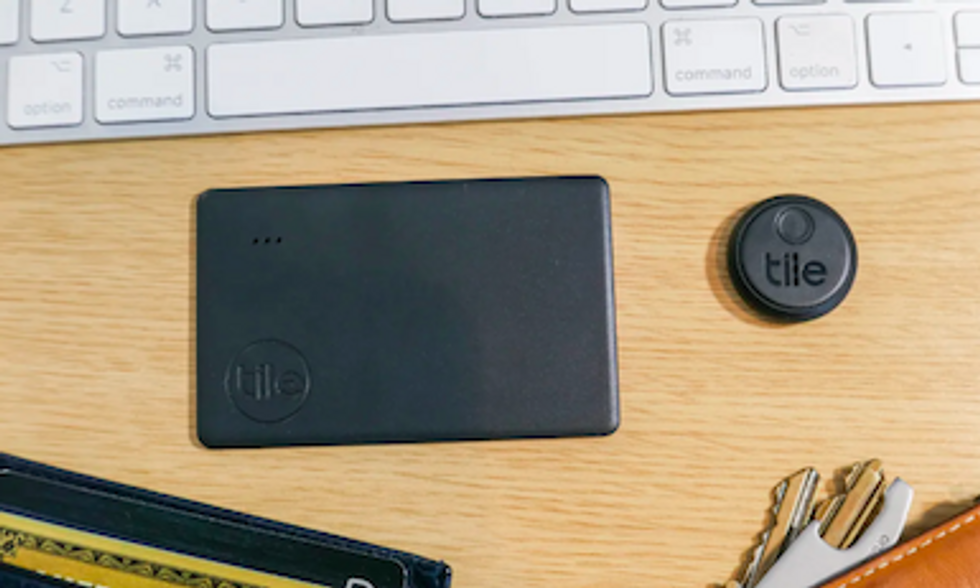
(792, 257)
(268, 381)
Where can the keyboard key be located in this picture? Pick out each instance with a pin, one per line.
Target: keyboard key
(9, 21)
(786, 2)
(970, 66)
(45, 91)
(607, 5)
(520, 65)
(65, 20)
(155, 17)
(517, 7)
(817, 52)
(311, 13)
(968, 29)
(906, 49)
(414, 10)
(144, 84)
(686, 4)
(244, 15)
(714, 56)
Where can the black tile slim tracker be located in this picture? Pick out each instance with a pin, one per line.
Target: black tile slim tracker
(404, 312)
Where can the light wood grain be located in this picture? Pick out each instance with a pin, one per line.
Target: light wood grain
(96, 324)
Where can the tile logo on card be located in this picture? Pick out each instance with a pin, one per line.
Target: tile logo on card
(268, 381)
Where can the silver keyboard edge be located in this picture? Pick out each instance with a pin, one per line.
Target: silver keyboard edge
(654, 16)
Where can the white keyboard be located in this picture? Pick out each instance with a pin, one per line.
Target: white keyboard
(98, 69)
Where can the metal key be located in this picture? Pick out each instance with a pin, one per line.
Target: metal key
(827, 510)
(848, 513)
(836, 536)
(792, 505)
(810, 561)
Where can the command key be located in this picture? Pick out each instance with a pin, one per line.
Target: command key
(725, 56)
(143, 85)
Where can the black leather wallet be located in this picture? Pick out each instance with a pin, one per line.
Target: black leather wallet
(75, 504)
(11, 577)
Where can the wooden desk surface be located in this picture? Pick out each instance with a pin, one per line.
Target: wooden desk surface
(96, 323)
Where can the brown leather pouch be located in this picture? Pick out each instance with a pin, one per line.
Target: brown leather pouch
(947, 556)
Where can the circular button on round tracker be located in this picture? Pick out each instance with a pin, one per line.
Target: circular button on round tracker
(792, 258)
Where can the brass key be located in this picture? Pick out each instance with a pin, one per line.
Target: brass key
(844, 516)
(827, 510)
(796, 505)
(792, 505)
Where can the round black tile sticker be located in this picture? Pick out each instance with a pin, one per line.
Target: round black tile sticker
(792, 257)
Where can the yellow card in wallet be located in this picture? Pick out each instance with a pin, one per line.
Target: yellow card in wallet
(93, 560)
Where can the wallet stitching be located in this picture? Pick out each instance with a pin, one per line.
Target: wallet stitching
(858, 578)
